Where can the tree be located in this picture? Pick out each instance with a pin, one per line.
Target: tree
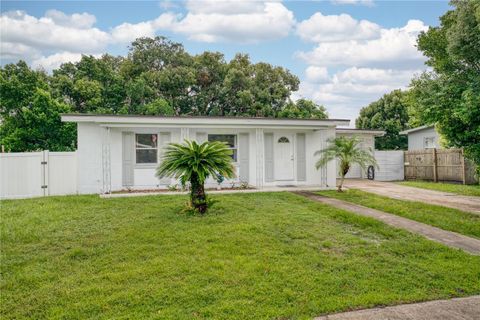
(38, 126)
(159, 77)
(348, 152)
(194, 163)
(303, 109)
(159, 107)
(389, 113)
(449, 96)
(92, 85)
(29, 115)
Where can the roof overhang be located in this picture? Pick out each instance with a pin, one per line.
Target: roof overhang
(201, 122)
(416, 129)
(376, 133)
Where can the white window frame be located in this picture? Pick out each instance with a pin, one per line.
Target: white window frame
(425, 144)
(145, 165)
(235, 143)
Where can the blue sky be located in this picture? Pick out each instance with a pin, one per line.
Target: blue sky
(347, 53)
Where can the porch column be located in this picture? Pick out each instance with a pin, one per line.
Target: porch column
(260, 147)
(184, 134)
(106, 166)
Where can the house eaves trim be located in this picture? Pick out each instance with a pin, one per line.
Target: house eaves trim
(134, 120)
(416, 129)
(376, 133)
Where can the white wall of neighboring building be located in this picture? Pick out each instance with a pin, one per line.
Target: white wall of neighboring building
(418, 140)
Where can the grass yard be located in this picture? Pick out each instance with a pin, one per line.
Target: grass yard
(255, 256)
(466, 190)
(438, 216)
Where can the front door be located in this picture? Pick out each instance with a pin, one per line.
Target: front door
(284, 157)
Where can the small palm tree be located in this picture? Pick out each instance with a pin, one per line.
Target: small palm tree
(348, 152)
(194, 163)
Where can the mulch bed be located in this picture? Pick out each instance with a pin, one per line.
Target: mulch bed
(166, 190)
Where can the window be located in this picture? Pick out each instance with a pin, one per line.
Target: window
(146, 148)
(283, 140)
(229, 139)
(429, 142)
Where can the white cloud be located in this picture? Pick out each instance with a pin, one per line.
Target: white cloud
(127, 32)
(226, 7)
(55, 60)
(76, 20)
(354, 2)
(320, 28)
(247, 22)
(58, 37)
(54, 31)
(9, 50)
(217, 21)
(316, 74)
(351, 89)
(394, 47)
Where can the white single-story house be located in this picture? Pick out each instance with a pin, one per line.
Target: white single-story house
(424, 137)
(117, 152)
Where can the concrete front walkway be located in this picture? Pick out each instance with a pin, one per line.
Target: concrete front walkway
(396, 191)
(448, 238)
(454, 309)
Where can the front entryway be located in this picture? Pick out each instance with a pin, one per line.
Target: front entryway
(284, 161)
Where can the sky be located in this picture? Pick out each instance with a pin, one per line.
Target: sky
(347, 53)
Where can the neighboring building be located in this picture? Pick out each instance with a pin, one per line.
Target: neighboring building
(368, 142)
(122, 152)
(424, 137)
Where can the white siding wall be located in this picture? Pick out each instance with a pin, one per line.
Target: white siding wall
(92, 136)
(89, 151)
(416, 139)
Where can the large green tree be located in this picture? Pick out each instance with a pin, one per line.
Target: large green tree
(157, 77)
(389, 113)
(29, 115)
(449, 96)
(303, 109)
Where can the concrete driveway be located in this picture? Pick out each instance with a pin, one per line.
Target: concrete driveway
(396, 191)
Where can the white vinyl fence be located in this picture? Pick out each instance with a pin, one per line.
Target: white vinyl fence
(36, 174)
(390, 165)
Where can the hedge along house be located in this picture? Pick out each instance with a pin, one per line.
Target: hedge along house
(117, 152)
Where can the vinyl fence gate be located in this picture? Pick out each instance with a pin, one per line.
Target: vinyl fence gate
(37, 174)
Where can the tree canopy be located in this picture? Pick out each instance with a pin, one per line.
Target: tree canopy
(29, 115)
(389, 113)
(449, 96)
(157, 77)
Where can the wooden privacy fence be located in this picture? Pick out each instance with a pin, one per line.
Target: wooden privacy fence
(37, 174)
(448, 165)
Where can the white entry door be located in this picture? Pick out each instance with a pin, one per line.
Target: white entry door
(284, 157)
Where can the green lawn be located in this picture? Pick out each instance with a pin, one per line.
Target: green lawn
(466, 190)
(255, 256)
(438, 216)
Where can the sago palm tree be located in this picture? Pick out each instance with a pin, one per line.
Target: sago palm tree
(348, 152)
(194, 163)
